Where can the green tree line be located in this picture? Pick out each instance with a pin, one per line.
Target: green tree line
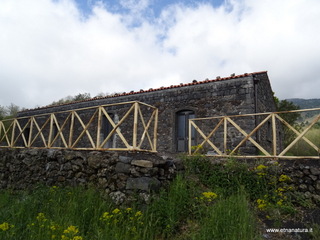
(9, 111)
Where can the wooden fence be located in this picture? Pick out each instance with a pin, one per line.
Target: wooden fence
(271, 126)
(85, 129)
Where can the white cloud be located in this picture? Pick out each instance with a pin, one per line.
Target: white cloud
(48, 50)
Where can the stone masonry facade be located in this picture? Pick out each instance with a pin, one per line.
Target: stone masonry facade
(242, 94)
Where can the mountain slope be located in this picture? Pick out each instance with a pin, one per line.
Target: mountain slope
(305, 103)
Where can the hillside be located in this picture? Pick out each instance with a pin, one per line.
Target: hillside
(305, 103)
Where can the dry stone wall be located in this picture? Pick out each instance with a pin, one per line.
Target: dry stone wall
(118, 174)
(305, 174)
(121, 174)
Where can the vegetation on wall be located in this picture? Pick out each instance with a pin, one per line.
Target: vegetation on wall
(69, 99)
(221, 201)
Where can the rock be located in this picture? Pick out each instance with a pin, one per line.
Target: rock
(315, 171)
(308, 194)
(33, 152)
(142, 163)
(76, 168)
(69, 155)
(122, 167)
(303, 187)
(318, 185)
(311, 189)
(66, 167)
(122, 177)
(145, 197)
(316, 198)
(179, 165)
(120, 185)
(125, 159)
(306, 171)
(313, 177)
(298, 174)
(118, 197)
(134, 172)
(61, 179)
(52, 166)
(159, 162)
(28, 161)
(143, 183)
(94, 162)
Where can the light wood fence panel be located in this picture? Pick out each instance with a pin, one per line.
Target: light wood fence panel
(270, 124)
(81, 129)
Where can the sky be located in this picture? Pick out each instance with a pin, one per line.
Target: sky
(50, 49)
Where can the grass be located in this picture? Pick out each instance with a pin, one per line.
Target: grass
(206, 202)
(231, 219)
(302, 148)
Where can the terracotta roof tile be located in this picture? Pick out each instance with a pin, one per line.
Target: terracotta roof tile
(152, 90)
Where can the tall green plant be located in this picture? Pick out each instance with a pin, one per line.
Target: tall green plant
(230, 219)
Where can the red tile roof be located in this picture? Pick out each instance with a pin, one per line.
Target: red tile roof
(194, 82)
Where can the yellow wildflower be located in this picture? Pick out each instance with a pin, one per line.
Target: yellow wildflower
(71, 229)
(280, 189)
(280, 202)
(41, 217)
(138, 214)
(116, 211)
(261, 204)
(261, 167)
(128, 210)
(77, 238)
(5, 226)
(284, 178)
(106, 216)
(208, 196)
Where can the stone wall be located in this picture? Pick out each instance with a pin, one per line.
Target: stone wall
(220, 97)
(305, 174)
(118, 174)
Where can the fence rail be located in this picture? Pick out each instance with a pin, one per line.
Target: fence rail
(274, 125)
(85, 129)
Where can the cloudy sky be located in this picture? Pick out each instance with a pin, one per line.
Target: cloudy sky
(50, 49)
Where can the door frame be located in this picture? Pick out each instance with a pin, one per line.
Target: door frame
(186, 112)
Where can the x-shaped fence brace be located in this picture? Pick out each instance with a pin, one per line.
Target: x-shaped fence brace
(224, 121)
(9, 135)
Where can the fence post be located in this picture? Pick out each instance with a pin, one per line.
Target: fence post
(13, 132)
(50, 131)
(225, 134)
(30, 132)
(135, 125)
(274, 134)
(189, 137)
(71, 129)
(155, 131)
(99, 128)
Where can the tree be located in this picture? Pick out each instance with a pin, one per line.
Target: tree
(12, 110)
(291, 118)
(68, 99)
(3, 112)
(284, 105)
(81, 96)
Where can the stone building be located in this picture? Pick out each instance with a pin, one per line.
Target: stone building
(238, 94)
